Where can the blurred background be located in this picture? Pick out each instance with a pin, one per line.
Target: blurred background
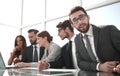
(18, 16)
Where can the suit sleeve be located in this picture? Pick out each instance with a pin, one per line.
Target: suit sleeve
(85, 64)
(56, 64)
(115, 37)
(24, 56)
(27, 55)
(54, 54)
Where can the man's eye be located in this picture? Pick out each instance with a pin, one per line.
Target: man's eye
(74, 20)
(82, 16)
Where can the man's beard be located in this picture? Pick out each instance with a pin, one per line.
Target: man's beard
(33, 43)
(65, 36)
(84, 31)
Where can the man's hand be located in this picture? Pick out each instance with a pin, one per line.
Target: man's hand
(117, 68)
(16, 60)
(42, 65)
(108, 66)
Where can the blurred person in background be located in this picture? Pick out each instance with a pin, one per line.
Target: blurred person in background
(52, 51)
(68, 56)
(32, 53)
(19, 46)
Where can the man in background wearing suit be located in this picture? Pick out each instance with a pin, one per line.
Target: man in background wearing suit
(29, 54)
(104, 42)
(68, 57)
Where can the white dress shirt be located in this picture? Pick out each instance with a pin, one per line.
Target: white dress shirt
(74, 53)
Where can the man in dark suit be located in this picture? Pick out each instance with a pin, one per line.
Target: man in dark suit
(28, 55)
(29, 52)
(65, 30)
(104, 43)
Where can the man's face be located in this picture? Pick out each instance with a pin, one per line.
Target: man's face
(32, 37)
(80, 21)
(61, 33)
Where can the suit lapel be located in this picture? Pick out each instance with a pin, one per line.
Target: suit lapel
(96, 31)
(96, 37)
(67, 55)
(30, 53)
(95, 34)
(81, 48)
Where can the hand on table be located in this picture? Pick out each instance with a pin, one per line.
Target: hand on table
(108, 66)
(42, 65)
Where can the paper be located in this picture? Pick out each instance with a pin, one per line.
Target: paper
(62, 70)
(54, 72)
(33, 68)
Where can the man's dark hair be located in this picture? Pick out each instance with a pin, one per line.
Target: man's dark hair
(33, 30)
(77, 8)
(64, 25)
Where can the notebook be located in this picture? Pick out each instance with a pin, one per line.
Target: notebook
(2, 64)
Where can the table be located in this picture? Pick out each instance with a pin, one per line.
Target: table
(36, 72)
(51, 72)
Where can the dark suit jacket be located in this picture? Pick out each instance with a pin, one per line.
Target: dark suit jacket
(65, 60)
(28, 54)
(107, 46)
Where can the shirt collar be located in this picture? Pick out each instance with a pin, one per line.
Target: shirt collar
(89, 32)
(73, 37)
(37, 45)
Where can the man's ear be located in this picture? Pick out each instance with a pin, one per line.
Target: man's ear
(88, 17)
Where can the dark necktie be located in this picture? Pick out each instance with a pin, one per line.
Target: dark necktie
(35, 54)
(69, 54)
(89, 49)
(70, 45)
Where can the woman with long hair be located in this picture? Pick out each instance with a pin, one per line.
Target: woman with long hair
(19, 45)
